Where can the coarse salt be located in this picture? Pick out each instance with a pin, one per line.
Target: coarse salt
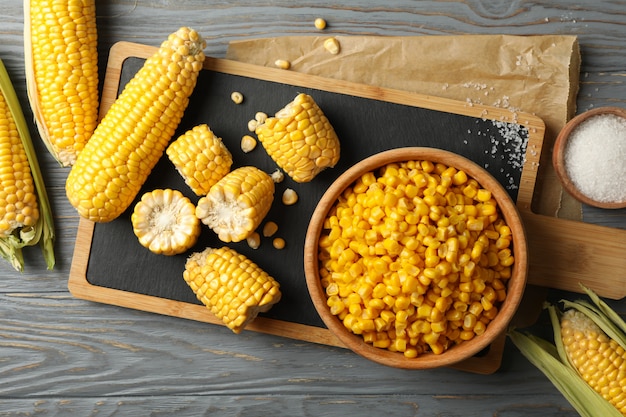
(595, 158)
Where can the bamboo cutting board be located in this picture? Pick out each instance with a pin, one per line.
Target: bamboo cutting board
(110, 267)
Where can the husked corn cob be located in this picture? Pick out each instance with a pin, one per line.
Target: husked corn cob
(165, 222)
(201, 158)
(300, 139)
(135, 131)
(62, 73)
(599, 360)
(233, 287)
(25, 214)
(236, 204)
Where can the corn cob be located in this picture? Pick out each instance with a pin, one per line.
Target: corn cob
(61, 60)
(201, 158)
(135, 131)
(587, 361)
(300, 139)
(233, 287)
(236, 204)
(165, 222)
(25, 214)
(599, 360)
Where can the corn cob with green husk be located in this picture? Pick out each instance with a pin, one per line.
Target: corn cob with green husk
(233, 287)
(587, 361)
(25, 213)
(135, 131)
(300, 139)
(61, 59)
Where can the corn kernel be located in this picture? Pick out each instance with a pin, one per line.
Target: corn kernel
(236, 97)
(320, 23)
(282, 64)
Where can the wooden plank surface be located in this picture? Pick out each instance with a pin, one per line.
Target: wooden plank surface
(60, 355)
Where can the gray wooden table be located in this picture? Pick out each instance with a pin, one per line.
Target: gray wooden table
(63, 356)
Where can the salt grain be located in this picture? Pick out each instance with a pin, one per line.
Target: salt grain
(595, 158)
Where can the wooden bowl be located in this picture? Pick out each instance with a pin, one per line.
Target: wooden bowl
(455, 353)
(560, 150)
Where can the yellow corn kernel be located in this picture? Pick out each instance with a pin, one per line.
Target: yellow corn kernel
(234, 288)
(133, 134)
(61, 58)
(248, 143)
(300, 139)
(279, 243)
(332, 46)
(236, 97)
(320, 23)
(600, 360)
(237, 204)
(290, 197)
(200, 157)
(254, 240)
(165, 222)
(270, 228)
(282, 64)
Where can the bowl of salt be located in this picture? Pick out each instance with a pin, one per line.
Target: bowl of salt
(589, 157)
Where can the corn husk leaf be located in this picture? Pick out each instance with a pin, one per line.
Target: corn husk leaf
(43, 232)
(544, 355)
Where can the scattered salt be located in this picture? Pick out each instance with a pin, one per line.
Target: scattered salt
(595, 158)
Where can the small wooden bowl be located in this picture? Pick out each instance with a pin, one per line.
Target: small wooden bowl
(559, 151)
(428, 360)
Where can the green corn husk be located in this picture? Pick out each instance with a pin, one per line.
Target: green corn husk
(552, 360)
(43, 232)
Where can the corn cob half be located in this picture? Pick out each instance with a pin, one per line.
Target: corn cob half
(135, 131)
(165, 222)
(200, 157)
(25, 213)
(233, 287)
(61, 58)
(300, 139)
(236, 204)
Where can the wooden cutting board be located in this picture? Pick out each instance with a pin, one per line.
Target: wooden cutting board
(109, 266)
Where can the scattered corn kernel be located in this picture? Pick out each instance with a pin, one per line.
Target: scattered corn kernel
(407, 247)
(278, 243)
(290, 197)
(332, 46)
(270, 228)
(236, 97)
(320, 23)
(254, 240)
(260, 117)
(282, 64)
(252, 124)
(248, 143)
(277, 176)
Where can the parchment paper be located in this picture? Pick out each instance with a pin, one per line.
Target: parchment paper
(533, 74)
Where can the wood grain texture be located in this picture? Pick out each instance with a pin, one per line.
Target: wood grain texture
(63, 356)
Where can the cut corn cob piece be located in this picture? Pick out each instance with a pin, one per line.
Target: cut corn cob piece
(236, 204)
(25, 213)
(165, 222)
(300, 139)
(135, 131)
(233, 287)
(61, 58)
(200, 157)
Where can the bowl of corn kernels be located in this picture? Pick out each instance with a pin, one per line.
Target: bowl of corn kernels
(416, 258)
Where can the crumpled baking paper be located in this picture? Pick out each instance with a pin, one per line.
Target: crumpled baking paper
(531, 74)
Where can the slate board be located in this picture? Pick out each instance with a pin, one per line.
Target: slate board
(367, 120)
